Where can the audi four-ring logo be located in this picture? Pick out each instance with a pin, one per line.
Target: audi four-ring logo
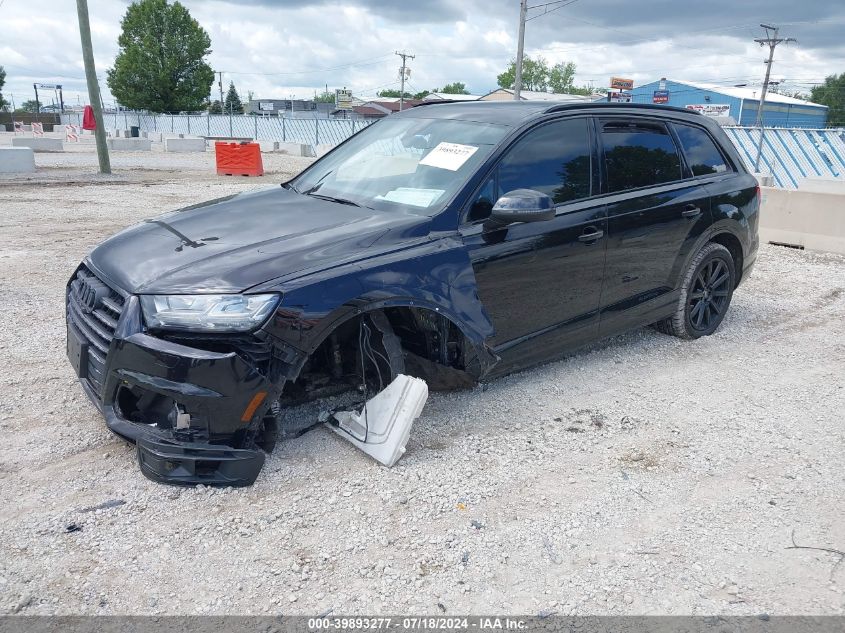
(87, 297)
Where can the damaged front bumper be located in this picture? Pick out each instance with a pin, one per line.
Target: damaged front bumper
(218, 389)
(193, 414)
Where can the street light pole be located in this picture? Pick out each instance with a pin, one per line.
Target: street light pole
(520, 50)
(93, 86)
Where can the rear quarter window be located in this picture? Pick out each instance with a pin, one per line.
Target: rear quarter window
(639, 155)
(702, 154)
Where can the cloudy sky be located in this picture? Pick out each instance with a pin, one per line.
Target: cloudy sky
(280, 48)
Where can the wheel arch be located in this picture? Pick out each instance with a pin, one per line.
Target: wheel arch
(392, 307)
(732, 243)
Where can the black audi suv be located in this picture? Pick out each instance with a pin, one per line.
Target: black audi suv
(454, 242)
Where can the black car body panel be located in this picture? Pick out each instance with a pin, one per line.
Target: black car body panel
(515, 294)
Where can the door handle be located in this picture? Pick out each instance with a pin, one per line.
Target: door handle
(591, 237)
(691, 211)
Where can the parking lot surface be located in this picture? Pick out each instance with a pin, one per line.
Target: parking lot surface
(644, 475)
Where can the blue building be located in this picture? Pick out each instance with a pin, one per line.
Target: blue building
(740, 104)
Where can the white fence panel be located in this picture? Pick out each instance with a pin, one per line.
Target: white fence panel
(263, 128)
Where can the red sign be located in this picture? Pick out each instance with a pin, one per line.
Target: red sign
(660, 96)
(621, 83)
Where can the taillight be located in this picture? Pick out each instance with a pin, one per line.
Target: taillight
(759, 195)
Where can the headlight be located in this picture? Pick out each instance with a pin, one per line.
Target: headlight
(213, 313)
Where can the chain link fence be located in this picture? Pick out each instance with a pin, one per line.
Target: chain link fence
(261, 128)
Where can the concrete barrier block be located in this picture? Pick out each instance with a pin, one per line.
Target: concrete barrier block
(765, 180)
(805, 219)
(294, 149)
(38, 144)
(153, 136)
(184, 145)
(822, 185)
(323, 149)
(129, 144)
(269, 146)
(17, 160)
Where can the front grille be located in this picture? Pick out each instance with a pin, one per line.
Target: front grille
(94, 309)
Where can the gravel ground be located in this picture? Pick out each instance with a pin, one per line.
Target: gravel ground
(645, 475)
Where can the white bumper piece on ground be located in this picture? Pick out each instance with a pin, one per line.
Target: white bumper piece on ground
(382, 428)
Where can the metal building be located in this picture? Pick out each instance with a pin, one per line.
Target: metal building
(739, 104)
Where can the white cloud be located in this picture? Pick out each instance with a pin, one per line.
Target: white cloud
(279, 49)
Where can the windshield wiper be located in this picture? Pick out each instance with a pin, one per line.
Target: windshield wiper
(321, 196)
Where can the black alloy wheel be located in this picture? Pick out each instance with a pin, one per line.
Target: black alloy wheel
(709, 295)
(706, 291)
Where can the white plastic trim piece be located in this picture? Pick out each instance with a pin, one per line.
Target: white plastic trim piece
(382, 428)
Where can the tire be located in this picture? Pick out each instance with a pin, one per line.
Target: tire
(706, 293)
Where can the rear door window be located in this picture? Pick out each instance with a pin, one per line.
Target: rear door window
(639, 155)
(703, 157)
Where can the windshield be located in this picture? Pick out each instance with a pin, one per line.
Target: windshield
(402, 163)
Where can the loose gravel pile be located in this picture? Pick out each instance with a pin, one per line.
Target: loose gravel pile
(644, 475)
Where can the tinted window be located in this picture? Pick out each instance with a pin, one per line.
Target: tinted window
(639, 155)
(553, 158)
(700, 151)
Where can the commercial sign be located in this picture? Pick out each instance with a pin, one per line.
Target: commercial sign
(660, 96)
(266, 106)
(620, 83)
(619, 97)
(711, 109)
(343, 99)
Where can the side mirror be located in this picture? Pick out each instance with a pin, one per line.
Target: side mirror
(523, 205)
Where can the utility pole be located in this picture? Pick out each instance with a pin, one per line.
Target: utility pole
(520, 50)
(402, 72)
(771, 40)
(220, 85)
(93, 86)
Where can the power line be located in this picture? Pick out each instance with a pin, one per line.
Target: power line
(560, 3)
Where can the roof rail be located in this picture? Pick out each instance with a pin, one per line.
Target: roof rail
(436, 101)
(605, 104)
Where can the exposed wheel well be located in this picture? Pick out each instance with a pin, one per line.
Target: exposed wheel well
(733, 244)
(417, 341)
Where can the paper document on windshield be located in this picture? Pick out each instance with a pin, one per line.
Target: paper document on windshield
(449, 156)
(412, 196)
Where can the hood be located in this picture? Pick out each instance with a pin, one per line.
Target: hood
(231, 244)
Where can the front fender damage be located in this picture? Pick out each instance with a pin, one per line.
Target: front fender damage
(402, 316)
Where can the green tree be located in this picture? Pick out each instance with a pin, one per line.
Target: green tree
(233, 100)
(457, 88)
(29, 106)
(215, 108)
(423, 94)
(393, 94)
(3, 103)
(538, 76)
(326, 97)
(535, 74)
(561, 77)
(832, 94)
(161, 62)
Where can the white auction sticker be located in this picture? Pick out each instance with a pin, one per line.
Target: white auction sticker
(449, 156)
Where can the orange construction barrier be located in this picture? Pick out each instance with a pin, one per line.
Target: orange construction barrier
(238, 159)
